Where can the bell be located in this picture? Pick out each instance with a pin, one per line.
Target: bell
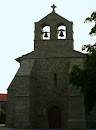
(61, 33)
(46, 35)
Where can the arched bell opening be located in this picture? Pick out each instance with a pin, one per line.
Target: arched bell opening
(61, 32)
(45, 32)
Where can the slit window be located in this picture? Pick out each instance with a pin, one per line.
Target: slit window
(55, 80)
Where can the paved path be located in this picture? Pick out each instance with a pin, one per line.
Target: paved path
(2, 125)
(5, 128)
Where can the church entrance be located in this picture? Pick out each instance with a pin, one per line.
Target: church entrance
(54, 117)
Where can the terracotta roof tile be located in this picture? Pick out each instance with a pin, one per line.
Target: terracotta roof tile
(3, 97)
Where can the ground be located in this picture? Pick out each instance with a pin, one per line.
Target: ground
(4, 128)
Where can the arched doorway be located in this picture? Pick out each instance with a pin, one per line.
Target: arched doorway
(54, 117)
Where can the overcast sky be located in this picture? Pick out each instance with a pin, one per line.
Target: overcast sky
(17, 19)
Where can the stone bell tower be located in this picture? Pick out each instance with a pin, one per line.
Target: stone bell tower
(40, 95)
(53, 42)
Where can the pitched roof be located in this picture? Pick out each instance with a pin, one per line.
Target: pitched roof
(3, 97)
(52, 15)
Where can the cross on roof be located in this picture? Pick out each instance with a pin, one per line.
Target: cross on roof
(53, 6)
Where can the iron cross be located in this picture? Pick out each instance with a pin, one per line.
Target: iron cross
(53, 6)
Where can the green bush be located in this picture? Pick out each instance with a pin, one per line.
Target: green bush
(2, 117)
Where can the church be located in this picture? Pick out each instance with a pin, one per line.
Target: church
(40, 95)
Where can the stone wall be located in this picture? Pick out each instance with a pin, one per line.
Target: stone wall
(46, 94)
(42, 81)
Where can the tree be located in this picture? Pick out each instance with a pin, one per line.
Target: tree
(91, 19)
(2, 117)
(85, 78)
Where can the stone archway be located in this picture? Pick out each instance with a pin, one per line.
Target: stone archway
(54, 117)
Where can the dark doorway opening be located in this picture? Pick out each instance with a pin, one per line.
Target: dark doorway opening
(54, 117)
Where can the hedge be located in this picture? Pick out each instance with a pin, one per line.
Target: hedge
(2, 117)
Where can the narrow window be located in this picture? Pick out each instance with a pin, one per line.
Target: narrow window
(45, 33)
(61, 32)
(55, 80)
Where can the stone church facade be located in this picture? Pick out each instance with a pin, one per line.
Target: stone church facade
(40, 95)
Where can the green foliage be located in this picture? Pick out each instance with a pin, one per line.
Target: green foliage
(2, 117)
(76, 76)
(91, 19)
(85, 78)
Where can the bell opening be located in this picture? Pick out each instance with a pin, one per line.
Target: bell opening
(45, 34)
(61, 32)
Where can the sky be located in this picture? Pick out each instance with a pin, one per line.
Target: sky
(17, 19)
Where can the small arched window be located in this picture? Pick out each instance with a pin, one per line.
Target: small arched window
(45, 33)
(55, 80)
(61, 32)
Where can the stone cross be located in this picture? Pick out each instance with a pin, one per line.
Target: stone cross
(53, 6)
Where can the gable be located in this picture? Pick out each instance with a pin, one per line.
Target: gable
(54, 17)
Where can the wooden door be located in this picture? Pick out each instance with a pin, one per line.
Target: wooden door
(54, 116)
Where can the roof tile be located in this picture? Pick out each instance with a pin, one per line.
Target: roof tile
(3, 97)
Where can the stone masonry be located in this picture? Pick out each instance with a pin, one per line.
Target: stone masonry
(40, 95)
